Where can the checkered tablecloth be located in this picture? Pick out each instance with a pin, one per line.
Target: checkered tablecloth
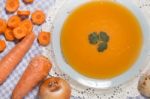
(8, 86)
(50, 7)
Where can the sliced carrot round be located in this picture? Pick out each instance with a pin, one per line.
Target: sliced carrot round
(25, 13)
(38, 17)
(27, 24)
(9, 34)
(2, 45)
(44, 38)
(20, 32)
(3, 25)
(11, 5)
(28, 1)
(14, 21)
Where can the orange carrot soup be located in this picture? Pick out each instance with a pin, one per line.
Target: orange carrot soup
(101, 40)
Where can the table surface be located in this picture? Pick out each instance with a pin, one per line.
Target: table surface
(78, 92)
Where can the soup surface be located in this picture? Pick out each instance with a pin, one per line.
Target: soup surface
(123, 48)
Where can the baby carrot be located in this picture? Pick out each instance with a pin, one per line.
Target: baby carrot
(3, 25)
(14, 21)
(36, 71)
(9, 34)
(27, 24)
(11, 5)
(20, 32)
(28, 1)
(44, 38)
(23, 13)
(2, 45)
(10, 61)
(38, 17)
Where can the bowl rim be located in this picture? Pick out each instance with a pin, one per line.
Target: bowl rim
(90, 82)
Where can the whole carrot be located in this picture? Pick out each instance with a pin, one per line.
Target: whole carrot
(10, 61)
(36, 71)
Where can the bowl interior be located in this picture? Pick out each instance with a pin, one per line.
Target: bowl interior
(95, 83)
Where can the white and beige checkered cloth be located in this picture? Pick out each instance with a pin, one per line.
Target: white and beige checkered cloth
(8, 86)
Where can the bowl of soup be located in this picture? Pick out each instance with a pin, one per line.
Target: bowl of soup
(100, 43)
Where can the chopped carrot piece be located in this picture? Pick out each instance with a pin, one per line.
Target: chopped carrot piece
(3, 25)
(14, 21)
(28, 1)
(2, 45)
(20, 32)
(44, 38)
(9, 34)
(11, 5)
(27, 24)
(25, 13)
(38, 17)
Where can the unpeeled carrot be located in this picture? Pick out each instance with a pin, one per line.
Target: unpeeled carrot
(3, 25)
(2, 45)
(11, 5)
(10, 61)
(36, 71)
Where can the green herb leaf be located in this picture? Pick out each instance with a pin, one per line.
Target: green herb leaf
(102, 47)
(93, 38)
(103, 36)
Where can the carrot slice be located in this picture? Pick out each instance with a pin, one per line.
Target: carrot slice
(9, 34)
(27, 24)
(14, 21)
(2, 45)
(20, 32)
(28, 1)
(25, 13)
(11, 5)
(38, 17)
(3, 25)
(44, 38)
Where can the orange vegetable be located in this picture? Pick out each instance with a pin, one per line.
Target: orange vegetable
(44, 38)
(3, 25)
(36, 71)
(10, 61)
(28, 1)
(9, 34)
(25, 13)
(38, 17)
(55, 88)
(2, 45)
(20, 32)
(27, 24)
(11, 5)
(14, 21)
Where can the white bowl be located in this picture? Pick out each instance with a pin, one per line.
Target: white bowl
(62, 15)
